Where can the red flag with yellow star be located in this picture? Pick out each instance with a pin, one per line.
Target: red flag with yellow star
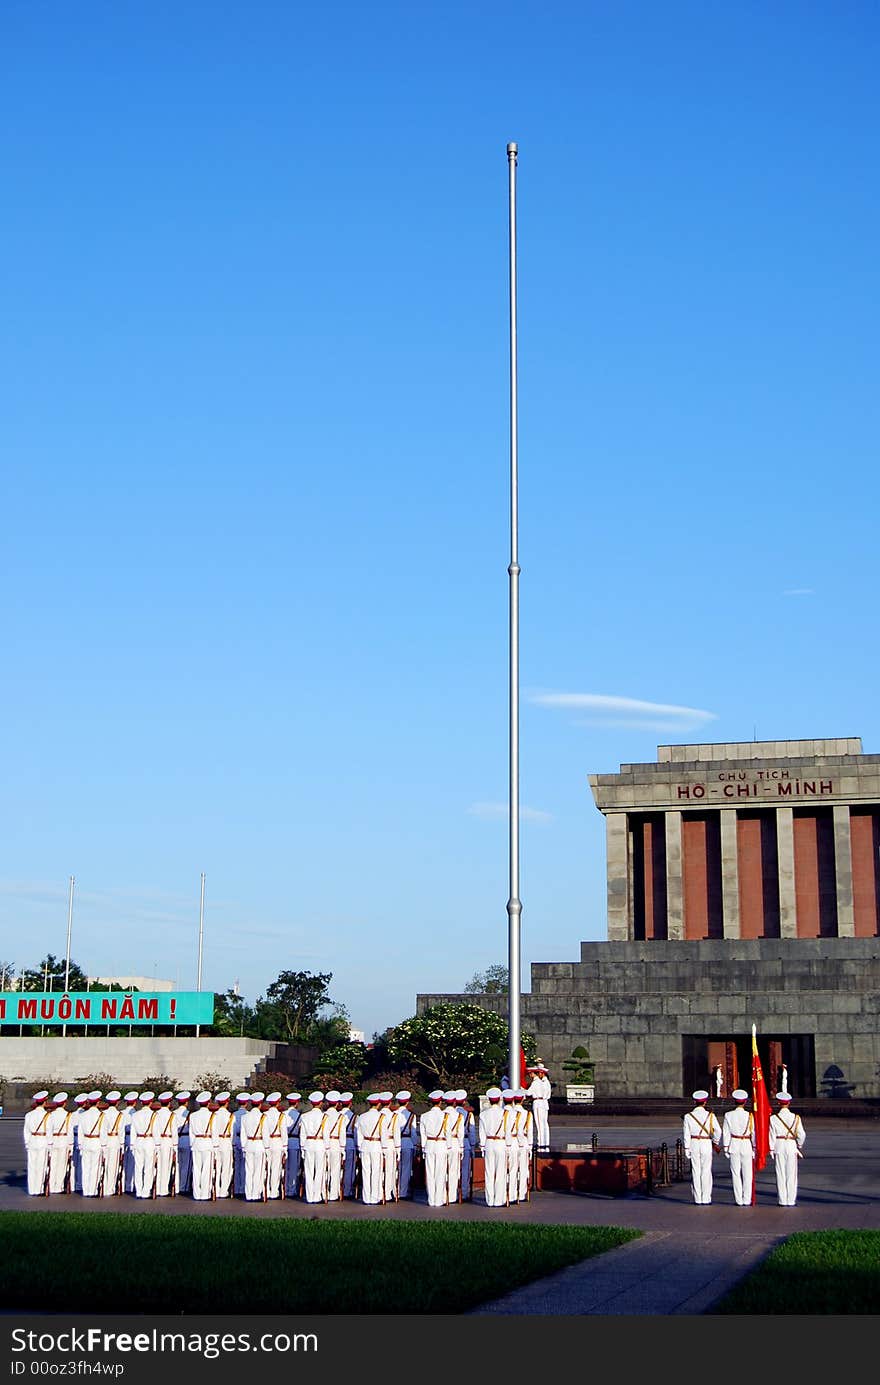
(760, 1110)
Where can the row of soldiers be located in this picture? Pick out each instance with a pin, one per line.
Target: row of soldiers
(269, 1147)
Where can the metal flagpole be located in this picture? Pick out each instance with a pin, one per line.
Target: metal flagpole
(514, 906)
(67, 963)
(201, 930)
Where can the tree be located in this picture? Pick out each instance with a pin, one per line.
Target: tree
(297, 998)
(233, 1017)
(452, 1040)
(50, 974)
(495, 980)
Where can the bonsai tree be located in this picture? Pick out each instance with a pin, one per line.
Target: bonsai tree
(579, 1067)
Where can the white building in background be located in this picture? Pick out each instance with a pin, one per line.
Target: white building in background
(133, 983)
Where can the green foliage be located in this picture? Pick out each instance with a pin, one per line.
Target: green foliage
(579, 1067)
(299, 997)
(212, 1082)
(96, 1082)
(50, 974)
(495, 980)
(452, 1039)
(160, 1082)
(341, 1067)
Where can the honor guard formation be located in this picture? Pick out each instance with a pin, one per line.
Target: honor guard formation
(257, 1146)
(736, 1138)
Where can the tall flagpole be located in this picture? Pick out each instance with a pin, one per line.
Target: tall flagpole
(514, 906)
(67, 963)
(201, 930)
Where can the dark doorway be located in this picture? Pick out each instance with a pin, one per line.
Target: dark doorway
(703, 1053)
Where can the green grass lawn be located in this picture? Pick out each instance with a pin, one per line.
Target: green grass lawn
(813, 1272)
(86, 1262)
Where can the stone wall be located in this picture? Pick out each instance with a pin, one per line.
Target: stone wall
(61, 1060)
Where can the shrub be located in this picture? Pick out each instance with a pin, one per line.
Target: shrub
(213, 1082)
(159, 1082)
(96, 1082)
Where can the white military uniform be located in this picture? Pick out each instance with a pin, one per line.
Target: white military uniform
(114, 1133)
(539, 1090)
(701, 1134)
(252, 1123)
(201, 1148)
(408, 1132)
(222, 1146)
(787, 1137)
(520, 1153)
(36, 1144)
(165, 1141)
(372, 1138)
(91, 1137)
(82, 1103)
(314, 1150)
(432, 1134)
(738, 1145)
(469, 1144)
(144, 1145)
(275, 1145)
(131, 1105)
(454, 1146)
(183, 1164)
(292, 1118)
(59, 1136)
(335, 1131)
(493, 1139)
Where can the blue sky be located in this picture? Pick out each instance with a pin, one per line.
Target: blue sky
(255, 437)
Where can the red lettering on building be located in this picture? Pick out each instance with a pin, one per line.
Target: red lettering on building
(148, 1009)
(83, 1009)
(27, 1009)
(108, 1009)
(127, 1011)
(47, 1009)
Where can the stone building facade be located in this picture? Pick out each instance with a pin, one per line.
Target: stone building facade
(743, 886)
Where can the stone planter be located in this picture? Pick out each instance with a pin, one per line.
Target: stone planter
(578, 1093)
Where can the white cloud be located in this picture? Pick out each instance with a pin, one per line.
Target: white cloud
(799, 591)
(603, 709)
(500, 810)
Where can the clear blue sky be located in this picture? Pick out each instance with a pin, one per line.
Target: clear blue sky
(255, 457)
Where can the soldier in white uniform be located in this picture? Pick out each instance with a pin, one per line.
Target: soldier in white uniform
(432, 1133)
(370, 1138)
(522, 1135)
(454, 1145)
(82, 1102)
(131, 1104)
(243, 1100)
(738, 1145)
(59, 1141)
(36, 1144)
(201, 1148)
(114, 1134)
(144, 1147)
(183, 1162)
(408, 1133)
(90, 1134)
(787, 1137)
(222, 1129)
(313, 1148)
(349, 1167)
(252, 1123)
(469, 1146)
(493, 1140)
(701, 1132)
(335, 1131)
(165, 1140)
(539, 1090)
(275, 1145)
(293, 1162)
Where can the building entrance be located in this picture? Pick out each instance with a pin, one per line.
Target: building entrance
(721, 1063)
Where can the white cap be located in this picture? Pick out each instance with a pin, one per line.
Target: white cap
(80, 1098)
(374, 1096)
(783, 1096)
(508, 1095)
(94, 1096)
(386, 1096)
(346, 1096)
(243, 1097)
(700, 1095)
(203, 1098)
(539, 1067)
(145, 1096)
(272, 1098)
(164, 1096)
(39, 1096)
(333, 1095)
(449, 1096)
(461, 1095)
(403, 1096)
(130, 1096)
(436, 1095)
(257, 1097)
(494, 1093)
(58, 1098)
(739, 1095)
(222, 1096)
(316, 1097)
(293, 1096)
(183, 1096)
(113, 1096)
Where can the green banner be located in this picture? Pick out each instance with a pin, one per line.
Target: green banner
(107, 1007)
